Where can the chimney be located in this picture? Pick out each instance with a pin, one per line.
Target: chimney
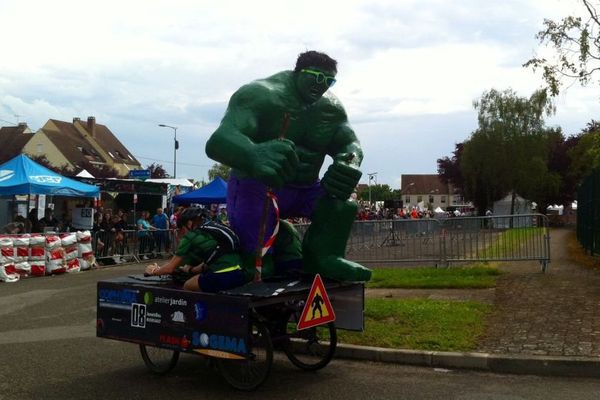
(76, 119)
(22, 125)
(91, 124)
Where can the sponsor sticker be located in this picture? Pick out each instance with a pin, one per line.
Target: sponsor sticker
(117, 298)
(150, 299)
(228, 344)
(174, 341)
(178, 316)
(199, 311)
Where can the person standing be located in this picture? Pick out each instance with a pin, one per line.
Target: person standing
(160, 221)
(146, 243)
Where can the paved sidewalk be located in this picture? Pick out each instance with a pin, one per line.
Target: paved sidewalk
(551, 314)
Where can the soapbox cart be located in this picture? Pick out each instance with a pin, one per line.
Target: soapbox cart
(237, 329)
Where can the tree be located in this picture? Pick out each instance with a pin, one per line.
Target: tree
(509, 151)
(64, 169)
(157, 171)
(584, 154)
(561, 162)
(449, 168)
(378, 193)
(220, 170)
(576, 44)
(98, 171)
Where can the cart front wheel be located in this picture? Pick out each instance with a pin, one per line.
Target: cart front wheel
(310, 349)
(250, 373)
(159, 361)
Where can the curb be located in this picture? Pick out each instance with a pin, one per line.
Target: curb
(498, 363)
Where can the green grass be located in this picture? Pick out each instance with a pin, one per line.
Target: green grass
(420, 324)
(476, 276)
(511, 241)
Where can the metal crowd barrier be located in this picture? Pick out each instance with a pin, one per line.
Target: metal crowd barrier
(449, 240)
(133, 245)
(388, 242)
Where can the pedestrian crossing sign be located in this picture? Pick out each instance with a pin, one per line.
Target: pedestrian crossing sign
(317, 310)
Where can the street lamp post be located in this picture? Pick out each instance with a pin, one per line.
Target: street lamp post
(372, 175)
(175, 147)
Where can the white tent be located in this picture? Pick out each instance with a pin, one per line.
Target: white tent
(439, 210)
(502, 206)
(555, 209)
(84, 174)
(173, 181)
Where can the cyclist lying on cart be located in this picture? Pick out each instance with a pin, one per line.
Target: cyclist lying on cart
(206, 258)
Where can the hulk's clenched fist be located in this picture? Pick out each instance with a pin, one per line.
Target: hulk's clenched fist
(274, 162)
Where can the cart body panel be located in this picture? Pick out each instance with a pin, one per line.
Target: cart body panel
(160, 314)
(156, 312)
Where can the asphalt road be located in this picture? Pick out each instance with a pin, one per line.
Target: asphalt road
(48, 350)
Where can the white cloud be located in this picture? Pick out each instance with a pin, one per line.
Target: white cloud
(409, 69)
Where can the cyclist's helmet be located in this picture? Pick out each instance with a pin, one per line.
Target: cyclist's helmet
(190, 214)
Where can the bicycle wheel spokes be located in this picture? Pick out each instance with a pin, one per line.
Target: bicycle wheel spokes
(250, 373)
(159, 361)
(311, 349)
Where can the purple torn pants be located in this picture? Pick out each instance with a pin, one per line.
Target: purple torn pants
(245, 202)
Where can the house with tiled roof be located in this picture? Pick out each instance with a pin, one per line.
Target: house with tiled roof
(12, 140)
(72, 143)
(428, 189)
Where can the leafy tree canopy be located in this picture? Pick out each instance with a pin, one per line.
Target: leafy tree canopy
(510, 149)
(219, 169)
(378, 193)
(575, 44)
(449, 168)
(157, 171)
(98, 171)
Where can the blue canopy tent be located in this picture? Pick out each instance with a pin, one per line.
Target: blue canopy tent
(213, 193)
(21, 175)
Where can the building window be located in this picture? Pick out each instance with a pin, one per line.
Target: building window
(407, 200)
(419, 199)
(443, 199)
(457, 200)
(40, 148)
(430, 199)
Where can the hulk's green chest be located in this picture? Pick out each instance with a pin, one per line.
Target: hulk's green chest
(312, 128)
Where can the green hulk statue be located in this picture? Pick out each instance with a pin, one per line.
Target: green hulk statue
(275, 135)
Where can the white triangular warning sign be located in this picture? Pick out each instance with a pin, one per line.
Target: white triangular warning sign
(317, 310)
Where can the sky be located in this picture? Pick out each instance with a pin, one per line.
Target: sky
(408, 70)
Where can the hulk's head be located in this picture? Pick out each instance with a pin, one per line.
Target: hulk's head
(314, 74)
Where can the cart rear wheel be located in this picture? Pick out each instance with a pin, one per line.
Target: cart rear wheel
(159, 361)
(250, 373)
(310, 349)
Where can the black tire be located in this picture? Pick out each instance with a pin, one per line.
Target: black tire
(159, 361)
(310, 349)
(250, 373)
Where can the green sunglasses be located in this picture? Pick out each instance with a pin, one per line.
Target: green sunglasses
(320, 77)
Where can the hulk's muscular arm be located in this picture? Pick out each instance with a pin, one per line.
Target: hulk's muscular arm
(343, 175)
(238, 143)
